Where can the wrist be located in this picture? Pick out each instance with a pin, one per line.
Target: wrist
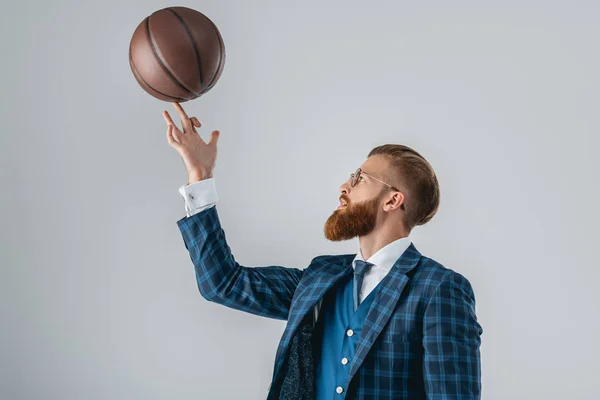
(198, 176)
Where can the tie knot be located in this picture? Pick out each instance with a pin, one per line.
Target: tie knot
(360, 267)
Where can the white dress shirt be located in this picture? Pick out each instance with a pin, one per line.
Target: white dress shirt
(201, 195)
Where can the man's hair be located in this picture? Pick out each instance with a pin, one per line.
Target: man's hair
(415, 177)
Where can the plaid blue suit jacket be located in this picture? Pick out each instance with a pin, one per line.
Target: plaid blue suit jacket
(421, 337)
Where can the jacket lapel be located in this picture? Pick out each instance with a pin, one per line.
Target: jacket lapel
(383, 305)
(312, 291)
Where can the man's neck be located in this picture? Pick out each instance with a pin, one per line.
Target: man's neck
(375, 241)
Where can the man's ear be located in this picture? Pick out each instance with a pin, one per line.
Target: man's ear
(395, 201)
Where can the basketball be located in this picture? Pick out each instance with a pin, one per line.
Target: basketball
(176, 54)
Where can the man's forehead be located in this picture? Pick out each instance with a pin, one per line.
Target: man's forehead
(374, 165)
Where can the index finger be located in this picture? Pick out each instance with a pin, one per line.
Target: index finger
(168, 119)
(185, 120)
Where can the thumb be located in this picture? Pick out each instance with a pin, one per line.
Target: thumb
(214, 137)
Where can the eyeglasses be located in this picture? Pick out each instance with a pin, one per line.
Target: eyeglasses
(356, 176)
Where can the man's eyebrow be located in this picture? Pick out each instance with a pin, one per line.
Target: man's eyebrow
(368, 175)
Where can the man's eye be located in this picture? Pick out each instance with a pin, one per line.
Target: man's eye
(362, 179)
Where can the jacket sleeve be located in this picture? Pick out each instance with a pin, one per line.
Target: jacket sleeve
(266, 291)
(451, 341)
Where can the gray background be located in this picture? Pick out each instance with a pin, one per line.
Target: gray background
(98, 294)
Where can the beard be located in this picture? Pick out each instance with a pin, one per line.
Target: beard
(353, 220)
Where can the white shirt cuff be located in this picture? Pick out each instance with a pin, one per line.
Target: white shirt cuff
(199, 194)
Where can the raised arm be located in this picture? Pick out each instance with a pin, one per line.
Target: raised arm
(266, 291)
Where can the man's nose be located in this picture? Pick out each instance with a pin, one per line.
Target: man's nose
(344, 188)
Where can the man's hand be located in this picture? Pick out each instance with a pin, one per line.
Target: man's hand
(199, 158)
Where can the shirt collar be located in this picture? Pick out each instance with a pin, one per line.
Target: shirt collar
(385, 257)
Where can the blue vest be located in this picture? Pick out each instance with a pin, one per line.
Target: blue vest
(338, 329)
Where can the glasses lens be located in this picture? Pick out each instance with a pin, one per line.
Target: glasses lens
(355, 177)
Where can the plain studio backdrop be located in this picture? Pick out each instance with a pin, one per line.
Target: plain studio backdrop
(98, 293)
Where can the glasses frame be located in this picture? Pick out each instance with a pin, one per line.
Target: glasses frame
(354, 177)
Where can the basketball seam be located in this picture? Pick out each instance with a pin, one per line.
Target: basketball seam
(191, 40)
(222, 47)
(161, 61)
(137, 74)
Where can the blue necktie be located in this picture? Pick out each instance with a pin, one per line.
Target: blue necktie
(360, 268)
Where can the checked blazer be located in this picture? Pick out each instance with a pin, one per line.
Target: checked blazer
(421, 337)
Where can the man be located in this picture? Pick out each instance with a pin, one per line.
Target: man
(385, 323)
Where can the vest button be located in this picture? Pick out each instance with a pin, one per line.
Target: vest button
(344, 361)
(349, 332)
(339, 389)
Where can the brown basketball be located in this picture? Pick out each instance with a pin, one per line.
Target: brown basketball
(176, 54)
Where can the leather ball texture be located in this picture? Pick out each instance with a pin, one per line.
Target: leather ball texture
(176, 54)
